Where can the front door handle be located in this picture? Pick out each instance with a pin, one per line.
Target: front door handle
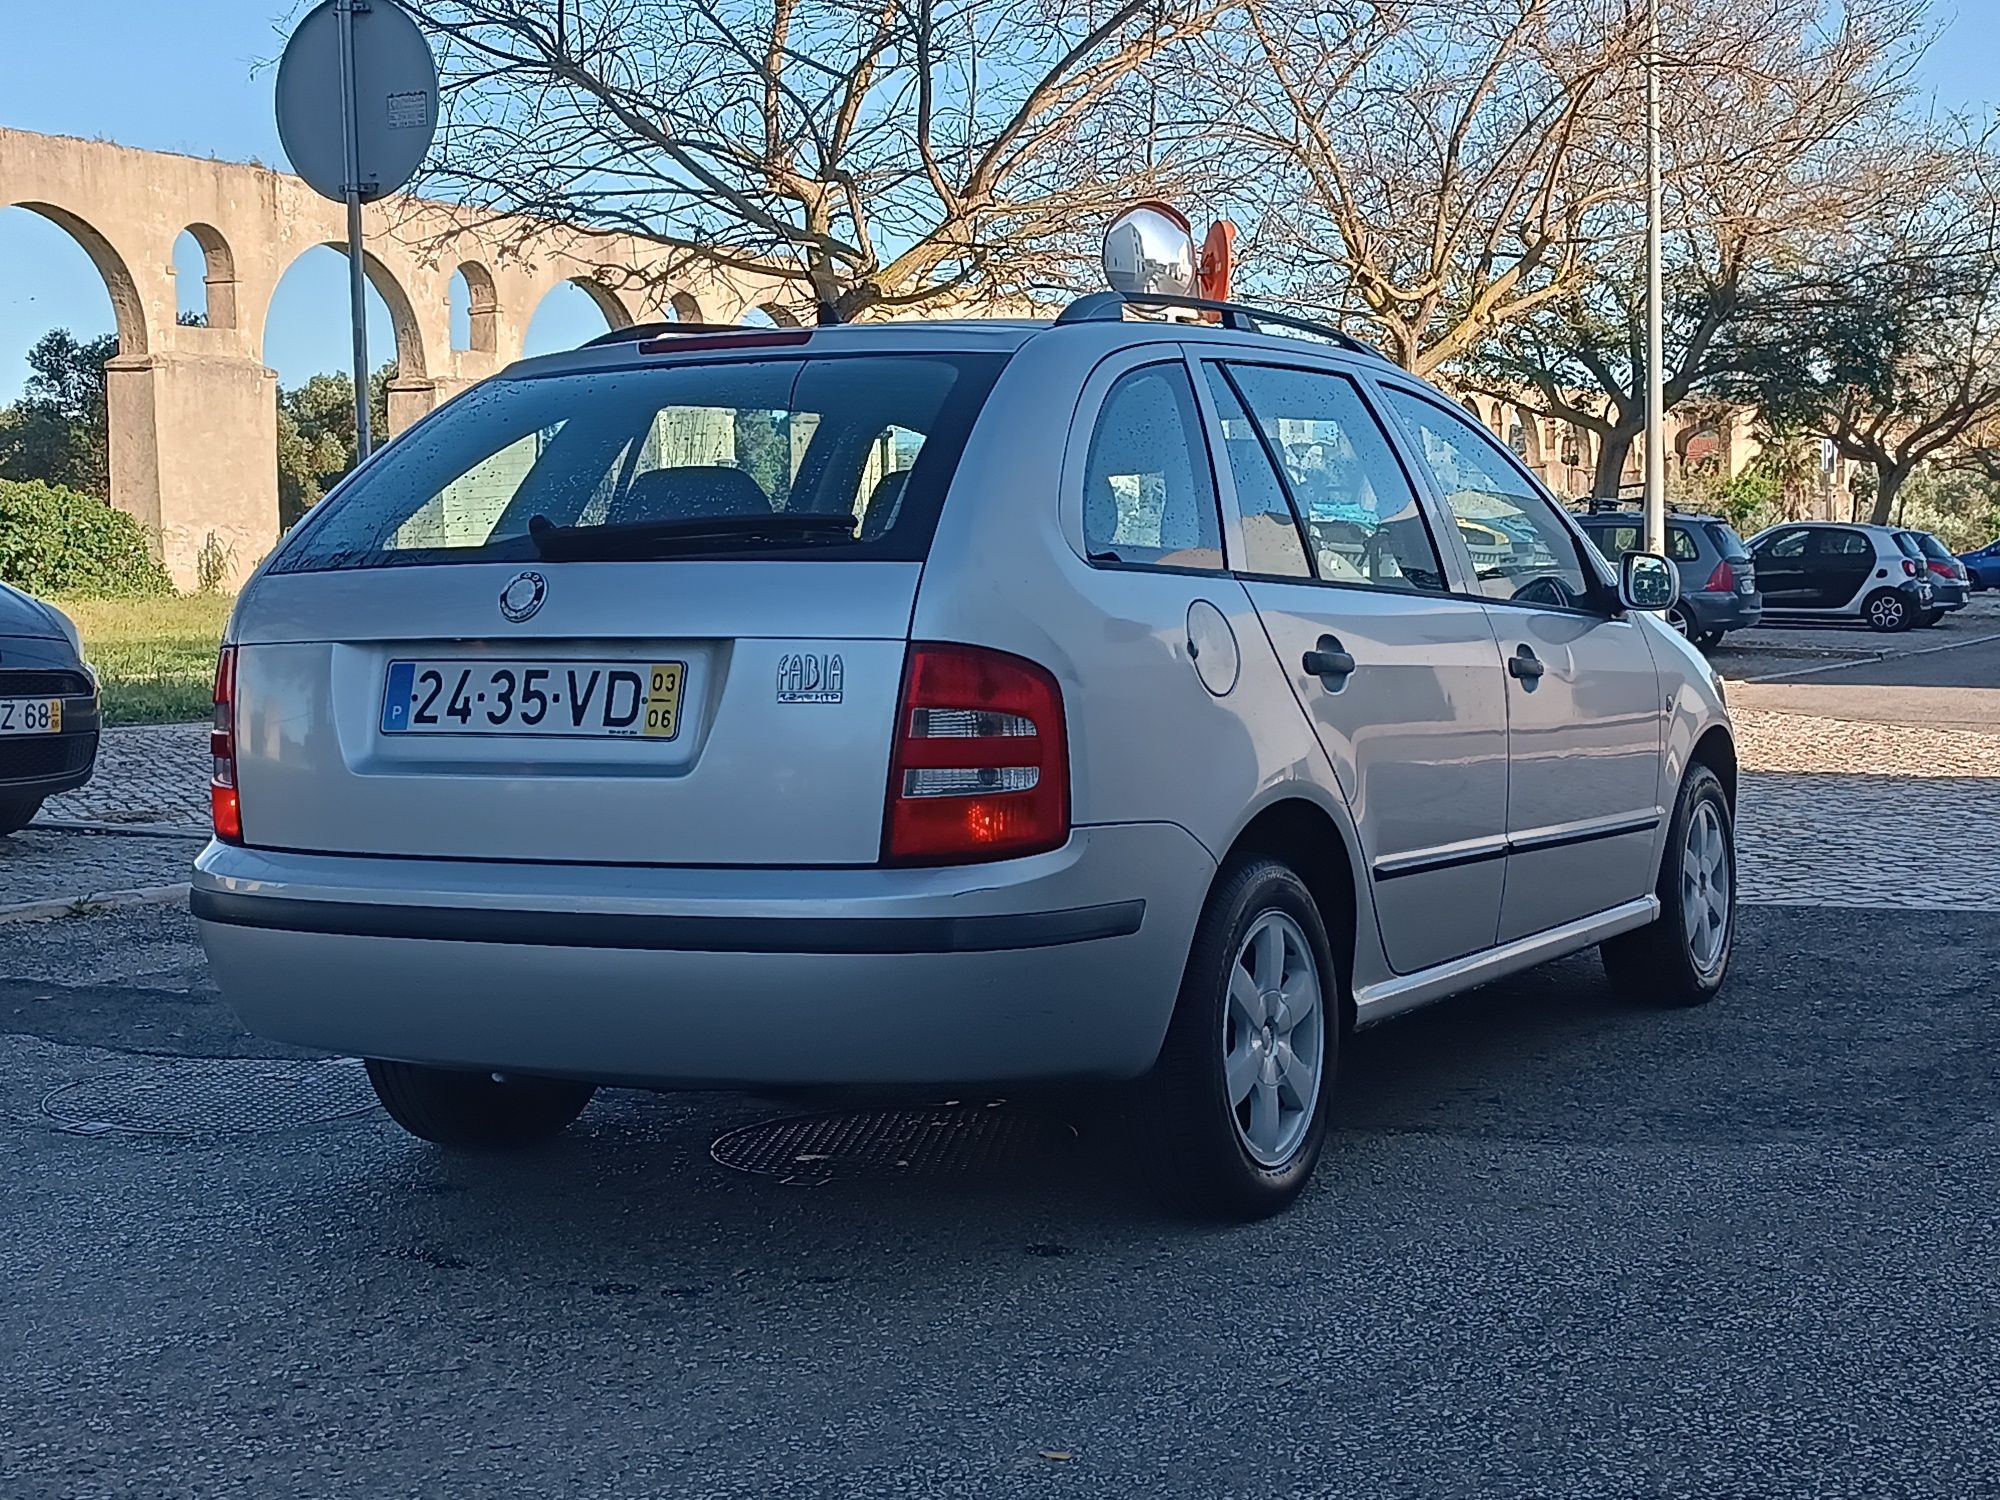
(1525, 665)
(1327, 661)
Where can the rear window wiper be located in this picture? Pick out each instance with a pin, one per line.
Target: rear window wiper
(639, 539)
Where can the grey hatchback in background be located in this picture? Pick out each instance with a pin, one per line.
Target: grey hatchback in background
(1718, 580)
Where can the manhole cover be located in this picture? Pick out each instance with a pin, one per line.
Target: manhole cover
(930, 1141)
(212, 1096)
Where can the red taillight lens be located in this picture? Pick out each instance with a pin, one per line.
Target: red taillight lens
(1722, 580)
(981, 764)
(1945, 569)
(225, 810)
(1911, 570)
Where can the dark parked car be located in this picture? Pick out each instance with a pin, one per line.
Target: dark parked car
(1718, 581)
(48, 708)
(1951, 585)
(1983, 566)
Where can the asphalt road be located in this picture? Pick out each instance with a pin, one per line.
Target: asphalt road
(1562, 1247)
(1948, 684)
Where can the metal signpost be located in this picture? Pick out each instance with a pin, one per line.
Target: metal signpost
(1656, 417)
(357, 111)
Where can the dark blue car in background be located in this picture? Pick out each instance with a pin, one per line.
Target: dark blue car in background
(1983, 566)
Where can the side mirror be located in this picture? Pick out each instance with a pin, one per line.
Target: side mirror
(1648, 581)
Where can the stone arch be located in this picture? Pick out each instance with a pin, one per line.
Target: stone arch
(1524, 435)
(1698, 445)
(411, 362)
(783, 317)
(218, 274)
(687, 308)
(616, 313)
(482, 307)
(128, 308)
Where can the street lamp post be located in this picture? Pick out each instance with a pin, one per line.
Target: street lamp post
(1656, 415)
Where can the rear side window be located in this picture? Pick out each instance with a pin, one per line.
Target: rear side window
(1681, 545)
(1272, 546)
(1359, 507)
(1843, 544)
(1148, 494)
(721, 459)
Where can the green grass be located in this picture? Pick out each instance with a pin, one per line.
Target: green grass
(156, 657)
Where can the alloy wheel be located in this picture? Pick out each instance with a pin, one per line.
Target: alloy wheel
(1274, 1038)
(1886, 612)
(1705, 885)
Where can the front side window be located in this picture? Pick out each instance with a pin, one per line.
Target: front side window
(1787, 544)
(1148, 494)
(1614, 541)
(1359, 508)
(772, 457)
(1522, 553)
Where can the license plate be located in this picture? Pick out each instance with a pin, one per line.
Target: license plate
(559, 700)
(30, 716)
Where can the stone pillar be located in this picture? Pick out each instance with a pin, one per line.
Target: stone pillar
(410, 401)
(194, 457)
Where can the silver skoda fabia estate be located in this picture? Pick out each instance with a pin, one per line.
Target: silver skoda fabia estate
(1107, 699)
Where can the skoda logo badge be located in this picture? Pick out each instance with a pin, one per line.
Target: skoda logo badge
(522, 597)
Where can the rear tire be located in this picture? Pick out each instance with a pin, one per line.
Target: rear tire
(1885, 611)
(1708, 640)
(1930, 618)
(1240, 1098)
(477, 1110)
(1681, 958)
(17, 813)
(1682, 622)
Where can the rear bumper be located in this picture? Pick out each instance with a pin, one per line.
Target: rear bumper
(1062, 965)
(1725, 611)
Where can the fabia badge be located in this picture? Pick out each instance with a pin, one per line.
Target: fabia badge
(523, 596)
(808, 677)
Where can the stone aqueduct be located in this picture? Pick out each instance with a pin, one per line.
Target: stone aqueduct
(193, 410)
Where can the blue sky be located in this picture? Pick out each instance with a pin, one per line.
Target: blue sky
(196, 76)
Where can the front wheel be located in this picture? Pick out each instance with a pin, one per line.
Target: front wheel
(1241, 1093)
(1682, 956)
(17, 813)
(480, 1110)
(1887, 612)
(1708, 640)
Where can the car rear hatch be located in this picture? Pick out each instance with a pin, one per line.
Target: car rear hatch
(1736, 554)
(645, 615)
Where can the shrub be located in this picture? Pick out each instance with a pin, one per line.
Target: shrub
(55, 540)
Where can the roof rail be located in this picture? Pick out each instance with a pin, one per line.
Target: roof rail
(1109, 307)
(637, 332)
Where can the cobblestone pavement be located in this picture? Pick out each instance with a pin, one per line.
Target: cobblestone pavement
(42, 865)
(153, 774)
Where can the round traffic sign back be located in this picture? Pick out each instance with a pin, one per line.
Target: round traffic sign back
(396, 97)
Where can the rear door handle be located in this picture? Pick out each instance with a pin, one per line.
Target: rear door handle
(1329, 662)
(1525, 665)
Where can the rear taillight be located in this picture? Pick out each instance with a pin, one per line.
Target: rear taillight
(1722, 580)
(224, 809)
(1911, 570)
(981, 764)
(1945, 569)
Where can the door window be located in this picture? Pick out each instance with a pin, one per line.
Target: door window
(1787, 544)
(1522, 552)
(1614, 541)
(1148, 495)
(1272, 545)
(1844, 544)
(1358, 506)
(1681, 545)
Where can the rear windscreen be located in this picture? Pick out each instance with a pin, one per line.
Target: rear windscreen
(740, 457)
(1726, 541)
(1932, 547)
(1909, 546)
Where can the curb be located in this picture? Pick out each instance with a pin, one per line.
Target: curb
(79, 906)
(1873, 656)
(136, 830)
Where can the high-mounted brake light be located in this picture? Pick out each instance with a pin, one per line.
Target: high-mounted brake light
(1722, 580)
(677, 343)
(225, 808)
(980, 768)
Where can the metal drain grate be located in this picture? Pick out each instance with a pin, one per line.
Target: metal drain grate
(195, 1096)
(931, 1141)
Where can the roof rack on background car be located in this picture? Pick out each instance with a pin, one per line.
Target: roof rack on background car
(1109, 307)
(640, 331)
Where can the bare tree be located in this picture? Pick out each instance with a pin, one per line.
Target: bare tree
(875, 155)
(1425, 167)
(1782, 135)
(1893, 351)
